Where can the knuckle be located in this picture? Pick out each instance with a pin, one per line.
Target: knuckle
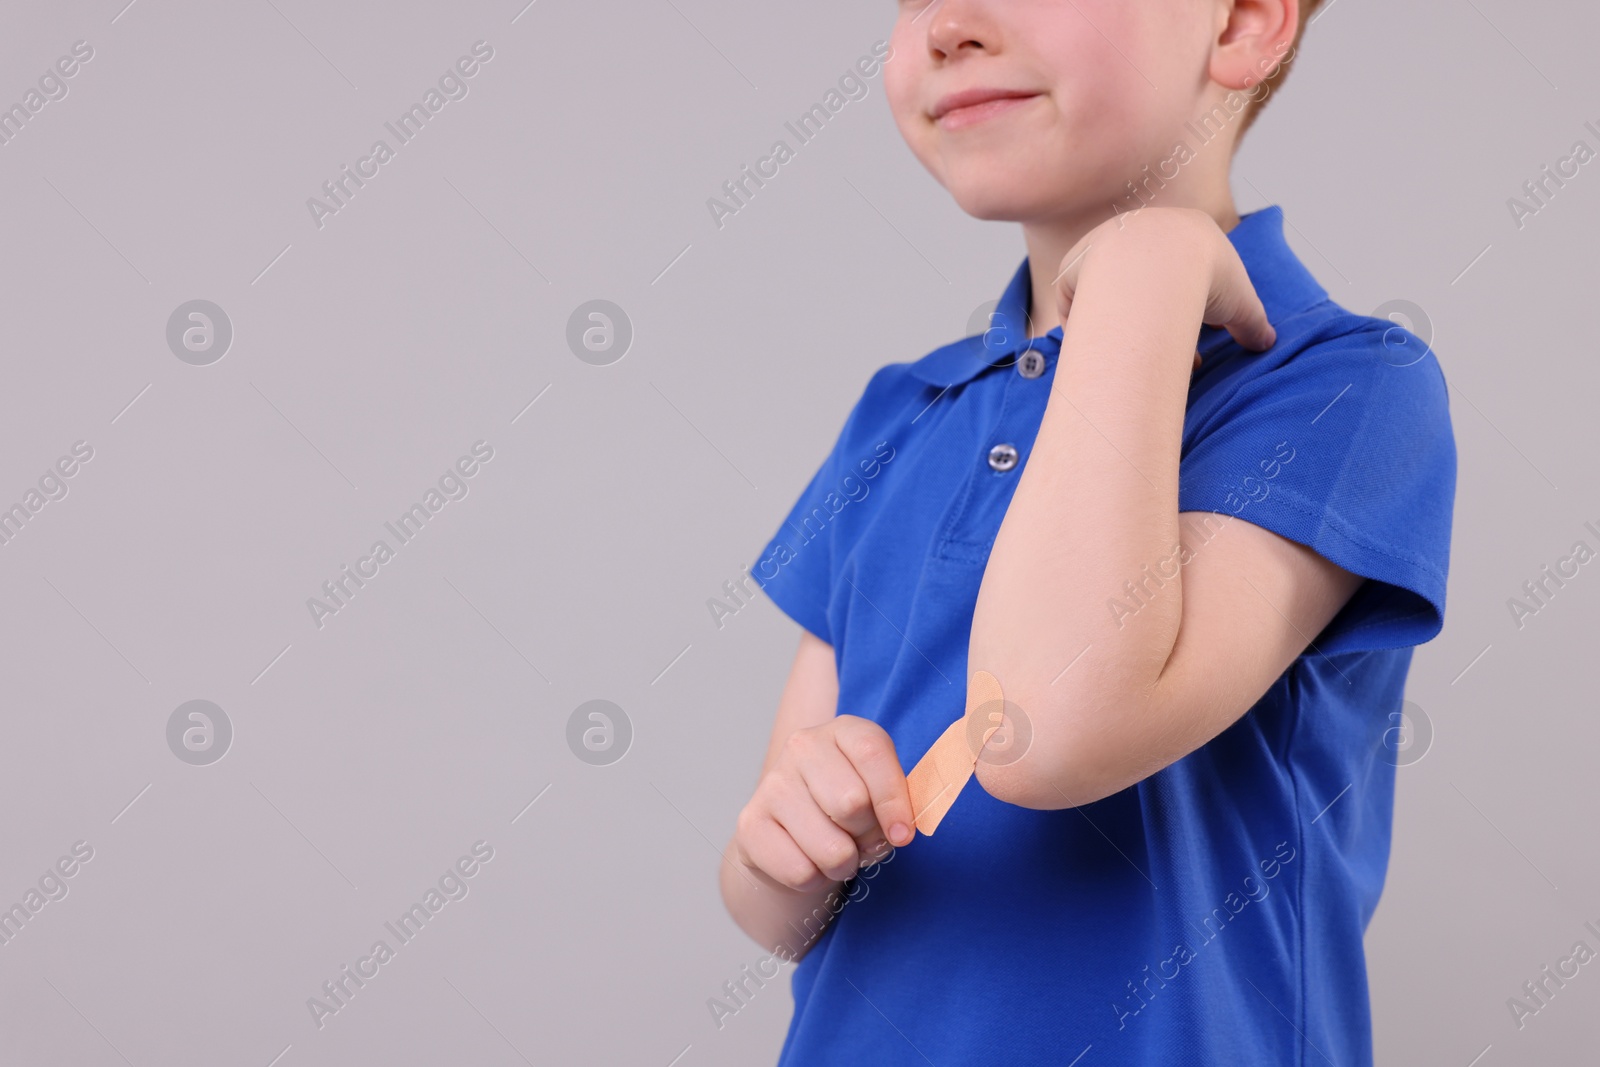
(839, 853)
(871, 748)
(754, 821)
(745, 824)
(771, 795)
(789, 791)
(868, 747)
(796, 875)
(853, 801)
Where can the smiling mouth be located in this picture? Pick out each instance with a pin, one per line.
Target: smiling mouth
(962, 117)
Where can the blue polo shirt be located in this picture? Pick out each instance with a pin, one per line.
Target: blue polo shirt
(1213, 913)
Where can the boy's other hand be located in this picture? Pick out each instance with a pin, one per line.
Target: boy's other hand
(831, 803)
(1136, 242)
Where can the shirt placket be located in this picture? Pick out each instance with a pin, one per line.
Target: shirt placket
(995, 460)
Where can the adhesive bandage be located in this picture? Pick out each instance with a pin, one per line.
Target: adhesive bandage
(943, 770)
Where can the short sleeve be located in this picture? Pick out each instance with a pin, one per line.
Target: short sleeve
(1345, 447)
(795, 569)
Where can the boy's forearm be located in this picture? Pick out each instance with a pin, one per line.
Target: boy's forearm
(1096, 506)
(781, 920)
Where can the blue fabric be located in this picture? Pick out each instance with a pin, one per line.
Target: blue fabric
(1213, 913)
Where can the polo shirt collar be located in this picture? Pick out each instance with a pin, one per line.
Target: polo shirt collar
(1280, 279)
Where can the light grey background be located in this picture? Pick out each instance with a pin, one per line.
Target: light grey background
(427, 714)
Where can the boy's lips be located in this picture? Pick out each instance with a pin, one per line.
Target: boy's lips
(970, 106)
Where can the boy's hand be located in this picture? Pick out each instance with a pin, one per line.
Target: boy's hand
(1160, 235)
(827, 806)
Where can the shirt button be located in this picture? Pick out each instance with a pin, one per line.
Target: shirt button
(1031, 363)
(1003, 457)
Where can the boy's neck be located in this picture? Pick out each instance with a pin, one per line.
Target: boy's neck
(1049, 241)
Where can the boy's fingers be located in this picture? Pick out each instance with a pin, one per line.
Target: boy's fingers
(1253, 331)
(839, 790)
(827, 846)
(1260, 334)
(873, 848)
(773, 852)
(872, 753)
(1237, 308)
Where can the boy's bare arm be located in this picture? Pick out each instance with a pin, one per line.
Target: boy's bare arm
(1098, 501)
(830, 791)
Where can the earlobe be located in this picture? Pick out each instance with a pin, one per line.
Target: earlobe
(1256, 42)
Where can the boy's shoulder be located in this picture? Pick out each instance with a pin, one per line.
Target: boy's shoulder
(1382, 362)
(1396, 333)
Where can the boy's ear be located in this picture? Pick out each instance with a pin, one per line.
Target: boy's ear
(1255, 39)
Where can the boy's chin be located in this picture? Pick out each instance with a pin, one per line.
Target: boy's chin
(998, 203)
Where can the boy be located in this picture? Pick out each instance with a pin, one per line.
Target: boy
(1189, 514)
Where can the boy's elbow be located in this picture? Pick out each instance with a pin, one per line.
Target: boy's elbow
(1013, 784)
(1079, 751)
(1049, 776)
